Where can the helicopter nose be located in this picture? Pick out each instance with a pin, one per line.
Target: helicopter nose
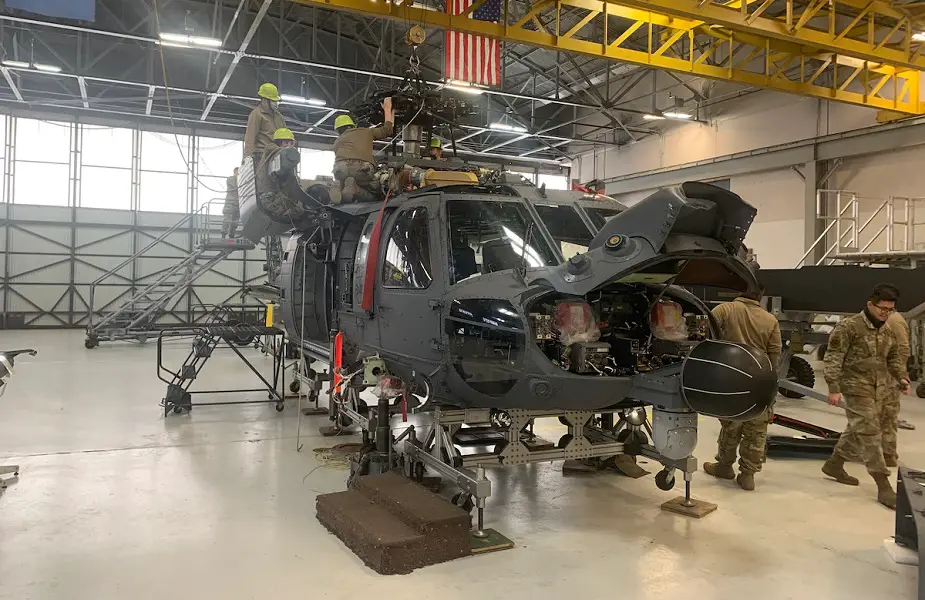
(730, 381)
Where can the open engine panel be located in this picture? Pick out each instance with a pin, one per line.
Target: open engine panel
(618, 331)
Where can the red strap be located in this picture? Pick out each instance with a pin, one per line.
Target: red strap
(372, 254)
(338, 360)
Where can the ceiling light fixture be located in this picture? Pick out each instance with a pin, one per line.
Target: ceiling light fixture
(189, 41)
(290, 99)
(16, 64)
(677, 115)
(919, 37)
(506, 127)
(47, 68)
(464, 87)
(653, 117)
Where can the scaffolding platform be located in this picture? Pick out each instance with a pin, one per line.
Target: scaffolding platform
(139, 317)
(205, 339)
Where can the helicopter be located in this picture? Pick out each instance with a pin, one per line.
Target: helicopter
(472, 289)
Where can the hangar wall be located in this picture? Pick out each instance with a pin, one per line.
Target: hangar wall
(756, 122)
(77, 200)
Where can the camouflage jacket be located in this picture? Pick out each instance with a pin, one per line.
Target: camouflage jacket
(261, 125)
(899, 326)
(863, 360)
(746, 322)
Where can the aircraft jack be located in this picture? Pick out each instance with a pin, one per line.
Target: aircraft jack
(687, 506)
(510, 441)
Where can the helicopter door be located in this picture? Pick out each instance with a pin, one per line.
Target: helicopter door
(411, 283)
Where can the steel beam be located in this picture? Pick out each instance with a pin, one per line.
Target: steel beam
(11, 83)
(673, 35)
(237, 58)
(83, 91)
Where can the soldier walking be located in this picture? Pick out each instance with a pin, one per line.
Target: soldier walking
(744, 321)
(863, 363)
(889, 416)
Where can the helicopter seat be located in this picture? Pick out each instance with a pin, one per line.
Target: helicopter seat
(464, 263)
(497, 255)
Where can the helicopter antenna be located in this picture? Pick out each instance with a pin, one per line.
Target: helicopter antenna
(520, 271)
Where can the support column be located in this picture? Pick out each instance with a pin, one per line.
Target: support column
(812, 226)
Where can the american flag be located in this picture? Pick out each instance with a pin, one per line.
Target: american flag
(473, 58)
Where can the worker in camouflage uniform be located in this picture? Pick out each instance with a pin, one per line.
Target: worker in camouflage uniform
(354, 165)
(863, 364)
(273, 199)
(231, 211)
(744, 321)
(889, 415)
(263, 121)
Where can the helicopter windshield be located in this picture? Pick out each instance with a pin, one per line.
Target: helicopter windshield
(566, 227)
(488, 236)
(599, 216)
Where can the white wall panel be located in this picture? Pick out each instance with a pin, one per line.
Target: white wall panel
(98, 215)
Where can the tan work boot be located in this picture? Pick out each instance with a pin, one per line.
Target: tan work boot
(835, 468)
(719, 470)
(885, 494)
(746, 481)
(890, 461)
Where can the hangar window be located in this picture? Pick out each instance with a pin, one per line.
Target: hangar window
(407, 257)
(487, 236)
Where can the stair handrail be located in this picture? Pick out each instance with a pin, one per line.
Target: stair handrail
(179, 224)
(825, 232)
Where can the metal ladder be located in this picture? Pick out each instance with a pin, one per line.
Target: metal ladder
(136, 318)
(847, 242)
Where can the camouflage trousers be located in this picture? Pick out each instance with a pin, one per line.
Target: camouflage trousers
(749, 438)
(282, 206)
(863, 438)
(355, 178)
(889, 419)
(232, 214)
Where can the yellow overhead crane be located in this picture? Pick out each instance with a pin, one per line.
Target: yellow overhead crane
(862, 52)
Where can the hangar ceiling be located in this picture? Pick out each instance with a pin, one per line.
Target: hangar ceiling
(576, 73)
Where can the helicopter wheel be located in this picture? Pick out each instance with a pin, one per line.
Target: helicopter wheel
(664, 480)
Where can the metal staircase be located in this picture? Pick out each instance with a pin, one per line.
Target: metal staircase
(885, 237)
(137, 318)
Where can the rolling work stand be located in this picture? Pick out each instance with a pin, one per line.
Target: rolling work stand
(205, 339)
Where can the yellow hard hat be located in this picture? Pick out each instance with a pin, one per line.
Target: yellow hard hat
(435, 142)
(343, 121)
(268, 91)
(283, 133)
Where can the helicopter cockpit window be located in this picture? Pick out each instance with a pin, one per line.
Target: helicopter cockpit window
(487, 236)
(599, 216)
(566, 228)
(407, 257)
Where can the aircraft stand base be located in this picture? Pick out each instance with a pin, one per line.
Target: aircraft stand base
(687, 506)
(511, 442)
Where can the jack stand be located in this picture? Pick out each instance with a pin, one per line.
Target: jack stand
(687, 506)
(382, 459)
(479, 531)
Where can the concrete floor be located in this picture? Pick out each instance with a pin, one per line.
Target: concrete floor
(115, 501)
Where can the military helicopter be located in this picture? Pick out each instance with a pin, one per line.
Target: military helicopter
(472, 290)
